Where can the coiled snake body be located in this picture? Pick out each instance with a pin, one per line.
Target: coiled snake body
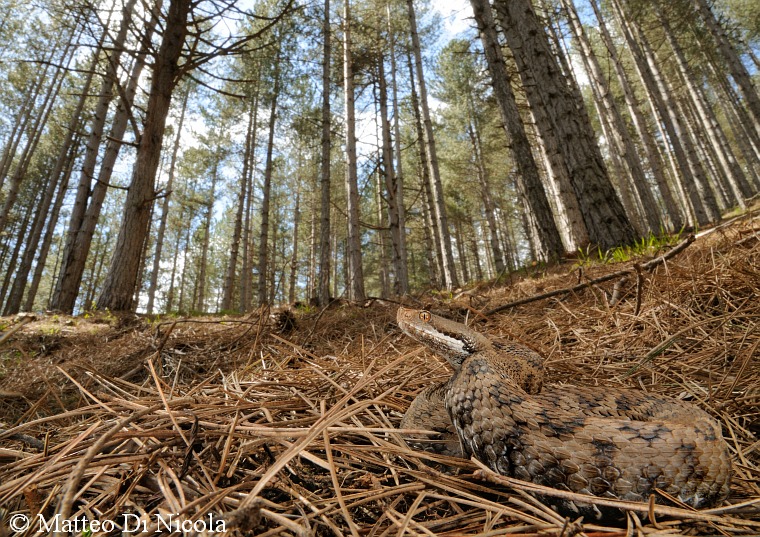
(622, 444)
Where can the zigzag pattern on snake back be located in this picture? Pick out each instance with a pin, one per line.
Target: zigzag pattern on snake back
(624, 444)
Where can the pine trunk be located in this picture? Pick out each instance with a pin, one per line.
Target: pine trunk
(604, 216)
(651, 149)
(323, 287)
(121, 281)
(52, 224)
(263, 264)
(246, 272)
(232, 261)
(165, 208)
(294, 255)
(699, 187)
(35, 134)
(21, 121)
(401, 280)
(399, 175)
(311, 284)
(485, 193)
(175, 261)
(462, 251)
(10, 267)
(432, 237)
(89, 198)
(432, 255)
(663, 110)
(59, 181)
(355, 273)
(738, 119)
(529, 184)
(33, 112)
(475, 250)
(620, 138)
(449, 270)
(731, 60)
(200, 305)
(716, 137)
(382, 230)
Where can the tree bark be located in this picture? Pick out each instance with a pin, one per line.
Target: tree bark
(97, 261)
(382, 232)
(603, 214)
(323, 287)
(89, 198)
(165, 207)
(175, 262)
(717, 139)
(732, 62)
(485, 191)
(263, 265)
(664, 110)
(229, 280)
(738, 119)
(20, 122)
(311, 283)
(529, 185)
(10, 267)
(31, 112)
(121, 281)
(619, 137)
(750, 151)
(461, 250)
(273, 286)
(432, 237)
(246, 272)
(639, 123)
(34, 133)
(52, 223)
(58, 182)
(699, 187)
(474, 250)
(200, 305)
(355, 273)
(294, 255)
(185, 268)
(449, 270)
(399, 175)
(401, 282)
(432, 256)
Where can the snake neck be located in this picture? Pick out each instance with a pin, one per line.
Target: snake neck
(456, 343)
(451, 340)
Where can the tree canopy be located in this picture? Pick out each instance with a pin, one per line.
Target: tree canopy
(211, 156)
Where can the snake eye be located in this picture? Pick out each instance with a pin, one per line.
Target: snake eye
(425, 316)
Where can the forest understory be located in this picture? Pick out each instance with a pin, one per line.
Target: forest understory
(286, 425)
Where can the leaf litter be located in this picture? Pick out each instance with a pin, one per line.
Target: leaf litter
(290, 428)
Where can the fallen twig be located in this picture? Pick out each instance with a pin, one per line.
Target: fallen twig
(24, 318)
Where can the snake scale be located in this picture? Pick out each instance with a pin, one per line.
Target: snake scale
(612, 443)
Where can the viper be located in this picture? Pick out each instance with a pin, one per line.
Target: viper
(613, 443)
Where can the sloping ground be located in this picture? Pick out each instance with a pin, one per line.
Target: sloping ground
(231, 422)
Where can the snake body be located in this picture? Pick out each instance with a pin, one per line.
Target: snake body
(428, 412)
(623, 444)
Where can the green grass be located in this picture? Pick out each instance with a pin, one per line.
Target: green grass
(644, 246)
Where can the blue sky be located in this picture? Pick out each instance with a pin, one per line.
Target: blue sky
(455, 14)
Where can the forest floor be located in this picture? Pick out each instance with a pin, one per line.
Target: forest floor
(264, 428)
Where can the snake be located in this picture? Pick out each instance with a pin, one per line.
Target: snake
(612, 443)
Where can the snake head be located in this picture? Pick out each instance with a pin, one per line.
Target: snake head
(449, 339)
